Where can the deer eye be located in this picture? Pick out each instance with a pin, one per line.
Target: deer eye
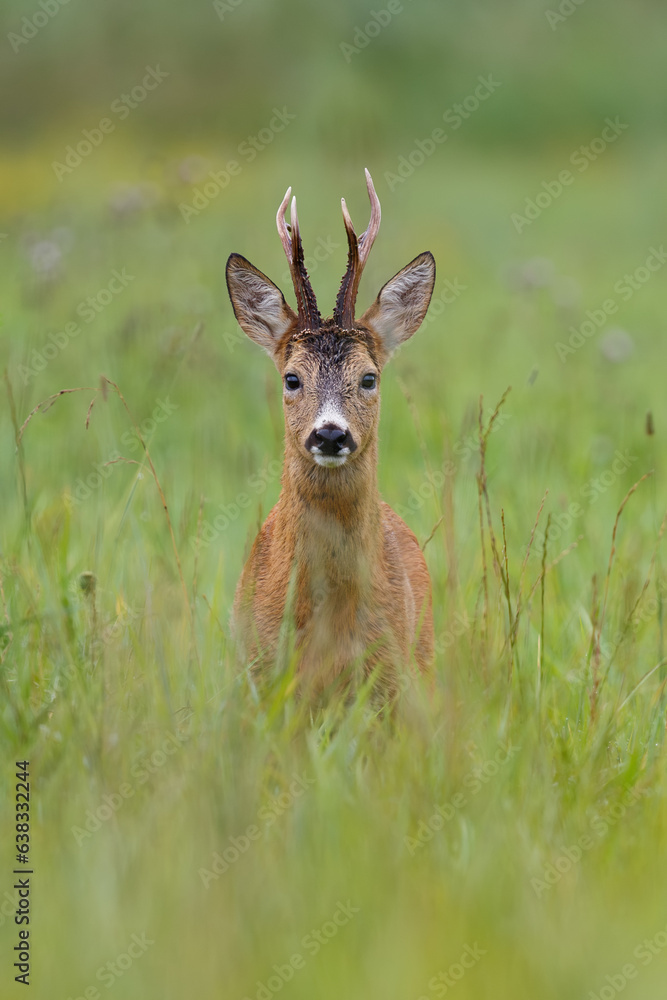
(368, 381)
(292, 381)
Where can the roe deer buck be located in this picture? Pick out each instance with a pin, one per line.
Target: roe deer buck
(360, 590)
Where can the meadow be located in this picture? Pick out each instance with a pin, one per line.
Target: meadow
(192, 836)
(169, 799)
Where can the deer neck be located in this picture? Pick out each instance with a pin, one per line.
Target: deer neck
(336, 518)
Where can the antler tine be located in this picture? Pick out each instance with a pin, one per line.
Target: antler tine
(282, 225)
(367, 238)
(349, 227)
(359, 248)
(309, 315)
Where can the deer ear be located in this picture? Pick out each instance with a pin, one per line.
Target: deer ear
(258, 304)
(400, 307)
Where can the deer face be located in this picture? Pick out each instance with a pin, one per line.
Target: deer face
(331, 395)
(330, 369)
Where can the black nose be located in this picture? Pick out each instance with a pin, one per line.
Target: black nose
(329, 439)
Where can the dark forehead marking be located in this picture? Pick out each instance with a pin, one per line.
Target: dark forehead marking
(331, 344)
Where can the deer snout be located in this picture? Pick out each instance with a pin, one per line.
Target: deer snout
(330, 439)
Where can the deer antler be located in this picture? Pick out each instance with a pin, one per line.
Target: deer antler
(359, 248)
(309, 314)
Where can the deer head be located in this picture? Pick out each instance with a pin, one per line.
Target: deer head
(330, 368)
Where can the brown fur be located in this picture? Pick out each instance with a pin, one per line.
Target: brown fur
(332, 556)
(361, 578)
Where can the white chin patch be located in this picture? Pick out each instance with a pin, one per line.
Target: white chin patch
(329, 461)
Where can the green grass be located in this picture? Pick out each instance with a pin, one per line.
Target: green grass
(98, 674)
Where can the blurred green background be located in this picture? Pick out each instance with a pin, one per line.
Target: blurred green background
(113, 240)
(561, 71)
